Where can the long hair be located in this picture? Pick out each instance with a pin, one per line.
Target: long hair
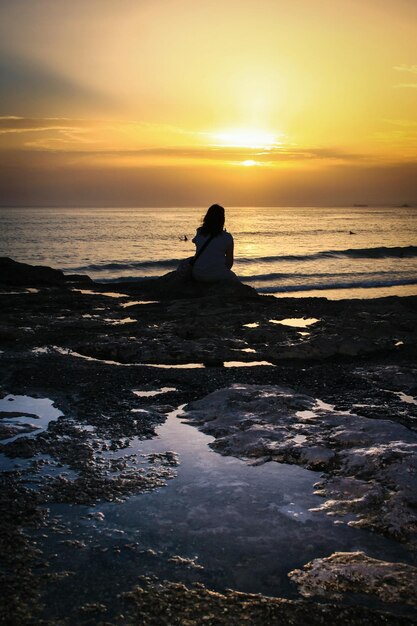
(213, 221)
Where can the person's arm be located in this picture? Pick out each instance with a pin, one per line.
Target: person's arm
(229, 256)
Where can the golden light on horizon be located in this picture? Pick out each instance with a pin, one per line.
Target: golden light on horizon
(245, 138)
(323, 92)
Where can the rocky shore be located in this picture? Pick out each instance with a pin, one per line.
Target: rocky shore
(329, 386)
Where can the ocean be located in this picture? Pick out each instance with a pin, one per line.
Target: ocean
(336, 252)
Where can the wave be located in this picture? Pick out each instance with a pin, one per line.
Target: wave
(271, 276)
(340, 284)
(375, 253)
(358, 253)
(169, 264)
(113, 266)
(125, 279)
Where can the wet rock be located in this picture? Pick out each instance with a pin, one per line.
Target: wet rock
(14, 273)
(356, 572)
(74, 543)
(360, 354)
(93, 607)
(97, 485)
(169, 458)
(22, 274)
(167, 603)
(185, 562)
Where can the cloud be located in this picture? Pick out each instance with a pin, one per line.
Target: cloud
(66, 133)
(41, 178)
(28, 86)
(406, 86)
(125, 142)
(410, 69)
(398, 137)
(231, 154)
(14, 124)
(11, 122)
(403, 123)
(406, 68)
(174, 155)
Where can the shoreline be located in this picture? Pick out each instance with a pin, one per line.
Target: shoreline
(94, 356)
(341, 293)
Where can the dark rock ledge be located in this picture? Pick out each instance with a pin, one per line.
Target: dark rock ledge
(63, 338)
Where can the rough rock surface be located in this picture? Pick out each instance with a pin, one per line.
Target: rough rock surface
(22, 274)
(355, 572)
(88, 351)
(170, 604)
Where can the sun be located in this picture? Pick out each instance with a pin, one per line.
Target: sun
(249, 163)
(245, 138)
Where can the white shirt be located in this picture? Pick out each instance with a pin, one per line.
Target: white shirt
(213, 259)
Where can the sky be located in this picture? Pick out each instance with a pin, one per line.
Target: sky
(190, 102)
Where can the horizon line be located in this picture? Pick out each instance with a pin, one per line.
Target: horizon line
(357, 205)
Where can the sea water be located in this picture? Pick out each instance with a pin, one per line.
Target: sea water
(330, 251)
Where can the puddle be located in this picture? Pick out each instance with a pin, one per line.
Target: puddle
(109, 294)
(34, 415)
(133, 302)
(18, 293)
(320, 405)
(247, 350)
(201, 365)
(125, 320)
(246, 363)
(296, 322)
(69, 352)
(155, 392)
(178, 366)
(300, 438)
(244, 526)
(404, 397)
(182, 366)
(252, 325)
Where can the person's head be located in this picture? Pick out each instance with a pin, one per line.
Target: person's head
(213, 221)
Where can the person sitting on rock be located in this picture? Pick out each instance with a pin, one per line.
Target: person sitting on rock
(216, 260)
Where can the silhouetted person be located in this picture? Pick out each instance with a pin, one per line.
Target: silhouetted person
(216, 261)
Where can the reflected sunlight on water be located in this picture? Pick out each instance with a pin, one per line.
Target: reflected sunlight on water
(354, 251)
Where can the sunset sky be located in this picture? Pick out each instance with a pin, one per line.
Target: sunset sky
(182, 102)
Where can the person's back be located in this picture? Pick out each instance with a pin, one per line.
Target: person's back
(216, 260)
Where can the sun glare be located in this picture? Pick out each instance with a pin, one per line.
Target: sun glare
(249, 163)
(245, 138)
